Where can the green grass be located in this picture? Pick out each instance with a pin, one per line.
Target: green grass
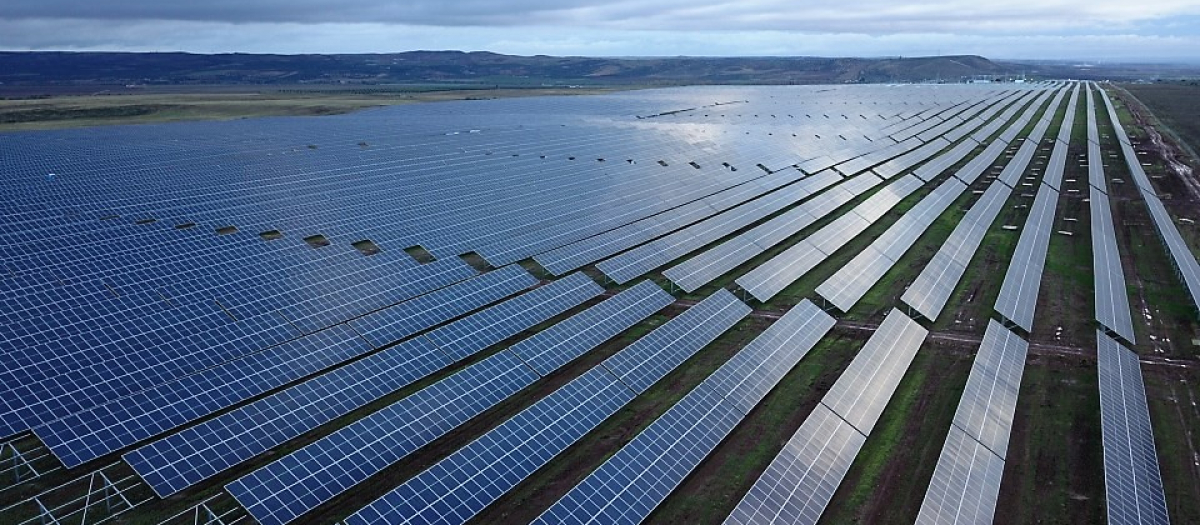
(713, 490)
(83, 111)
(887, 481)
(545, 486)
(1176, 423)
(1053, 472)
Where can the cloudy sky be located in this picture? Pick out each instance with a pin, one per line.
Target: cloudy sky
(1092, 30)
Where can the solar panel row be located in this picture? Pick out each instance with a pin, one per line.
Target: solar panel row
(286, 489)
(966, 481)
(851, 282)
(705, 267)
(1019, 289)
(1186, 267)
(630, 484)
(638, 261)
(1112, 301)
(458, 487)
(87, 379)
(1056, 166)
(931, 290)
(573, 256)
(772, 276)
(800, 481)
(1132, 482)
(196, 453)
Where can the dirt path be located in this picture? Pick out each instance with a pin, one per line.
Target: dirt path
(1168, 151)
(975, 340)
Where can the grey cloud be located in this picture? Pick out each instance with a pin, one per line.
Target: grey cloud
(862, 16)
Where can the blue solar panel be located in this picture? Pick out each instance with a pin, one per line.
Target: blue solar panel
(646, 361)
(115, 425)
(336, 463)
(464, 483)
(287, 414)
(158, 358)
(627, 487)
(466, 336)
(558, 345)
(396, 323)
(474, 476)
(405, 426)
(196, 453)
(92, 433)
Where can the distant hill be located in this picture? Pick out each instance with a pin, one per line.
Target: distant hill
(66, 68)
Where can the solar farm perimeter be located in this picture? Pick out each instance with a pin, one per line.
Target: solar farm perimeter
(742, 305)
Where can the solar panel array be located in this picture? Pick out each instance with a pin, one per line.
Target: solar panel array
(196, 345)
(1132, 483)
(645, 258)
(284, 490)
(630, 484)
(50, 386)
(91, 433)
(197, 453)
(458, 487)
(966, 481)
(159, 241)
(1019, 289)
(851, 282)
(930, 292)
(801, 480)
(1186, 267)
(1112, 301)
(907, 153)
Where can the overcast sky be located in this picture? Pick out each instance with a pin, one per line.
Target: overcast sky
(1092, 30)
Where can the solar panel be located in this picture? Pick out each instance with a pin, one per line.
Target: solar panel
(464, 483)
(723, 258)
(1112, 301)
(393, 324)
(89, 434)
(965, 484)
(985, 411)
(576, 255)
(289, 487)
(844, 288)
(186, 458)
(630, 484)
(403, 427)
(1132, 482)
(931, 290)
(773, 276)
(640, 260)
(802, 478)
(1019, 290)
(647, 360)
(482, 471)
(862, 391)
(468, 335)
(85, 382)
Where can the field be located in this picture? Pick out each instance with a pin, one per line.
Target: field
(1054, 466)
(1174, 108)
(230, 102)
